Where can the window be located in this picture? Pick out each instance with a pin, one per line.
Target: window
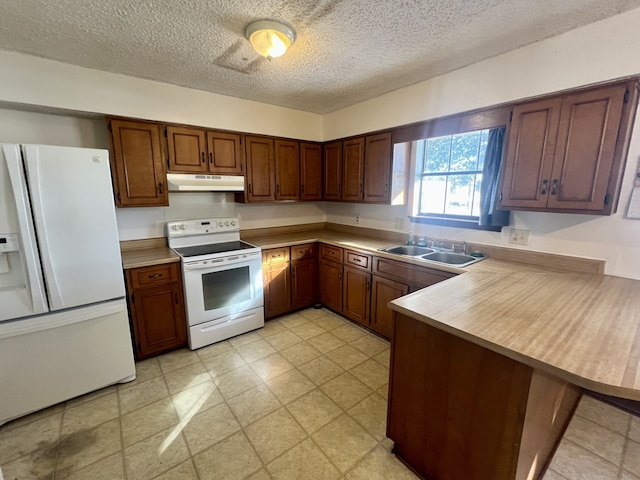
(449, 175)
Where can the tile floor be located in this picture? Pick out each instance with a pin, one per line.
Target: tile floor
(302, 398)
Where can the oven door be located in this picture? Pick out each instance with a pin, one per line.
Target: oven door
(221, 287)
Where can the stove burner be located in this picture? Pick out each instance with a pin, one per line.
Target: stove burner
(212, 248)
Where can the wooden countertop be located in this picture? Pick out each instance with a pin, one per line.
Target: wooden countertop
(146, 252)
(579, 327)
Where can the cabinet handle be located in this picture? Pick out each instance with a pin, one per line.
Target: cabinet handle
(157, 275)
(543, 189)
(278, 188)
(210, 157)
(340, 276)
(386, 187)
(202, 155)
(249, 188)
(161, 188)
(175, 296)
(554, 186)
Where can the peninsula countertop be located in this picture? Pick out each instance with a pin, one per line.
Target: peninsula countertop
(582, 328)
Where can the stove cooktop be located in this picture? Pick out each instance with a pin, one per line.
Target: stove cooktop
(213, 248)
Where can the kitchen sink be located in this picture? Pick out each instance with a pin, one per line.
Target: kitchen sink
(451, 258)
(410, 250)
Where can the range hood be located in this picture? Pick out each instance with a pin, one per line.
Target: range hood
(184, 182)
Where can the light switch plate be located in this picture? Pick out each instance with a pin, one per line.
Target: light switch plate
(518, 237)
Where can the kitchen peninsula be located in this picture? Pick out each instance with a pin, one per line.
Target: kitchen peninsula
(487, 367)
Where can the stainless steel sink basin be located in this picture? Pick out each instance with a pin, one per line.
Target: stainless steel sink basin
(450, 258)
(410, 250)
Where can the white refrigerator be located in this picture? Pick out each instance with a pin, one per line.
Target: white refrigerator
(64, 327)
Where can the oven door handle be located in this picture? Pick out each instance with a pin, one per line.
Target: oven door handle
(227, 264)
(208, 266)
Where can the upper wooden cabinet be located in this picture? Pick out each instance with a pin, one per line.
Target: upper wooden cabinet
(310, 171)
(566, 153)
(352, 169)
(194, 150)
(332, 182)
(260, 181)
(137, 166)
(378, 161)
(287, 170)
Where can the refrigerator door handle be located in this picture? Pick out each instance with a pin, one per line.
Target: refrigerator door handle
(34, 278)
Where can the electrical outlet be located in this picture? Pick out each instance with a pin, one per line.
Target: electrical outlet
(398, 223)
(358, 219)
(518, 237)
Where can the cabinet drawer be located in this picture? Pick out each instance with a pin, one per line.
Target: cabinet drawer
(154, 275)
(275, 255)
(408, 273)
(329, 252)
(308, 250)
(358, 260)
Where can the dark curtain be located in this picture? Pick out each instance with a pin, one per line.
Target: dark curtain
(489, 216)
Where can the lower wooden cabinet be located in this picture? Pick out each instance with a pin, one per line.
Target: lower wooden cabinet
(331, 285)
(156, 304)
(383, 291)
(304, 275)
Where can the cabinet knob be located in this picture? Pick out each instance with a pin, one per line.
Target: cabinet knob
(543, 189)
(210, 157)
(202, 155)
(160, 188)
(176, 298)
(157, 275)
(554, 186)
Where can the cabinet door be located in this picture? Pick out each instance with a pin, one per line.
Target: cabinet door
(585, 148)
(532, 142)
(187, 150)
(382, 292)
(225, 153)
(377, 168)
(356, 295)
(310, 171)
(140, 177)
(159, 321)
(287, 160)
(330, 287)
(260, 172)
(277, 289)
(352, 169)
(332, 182)
(304, 281)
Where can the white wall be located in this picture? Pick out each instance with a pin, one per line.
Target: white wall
(598, 52)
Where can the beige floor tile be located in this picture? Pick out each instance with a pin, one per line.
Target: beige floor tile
(74, 402)
(214, 349)
(383, 357)
(320, 370)
(304, 461)
(260, 475)
(574, 462)
(329, 322)
(383, 391)
(325, 342)
(348, 332)
(627, 476)
(254, 404)
(307, 330)
(196, 399)
(155, 455)
(209, 427)
(553, 475)
(634, 430)
(184, 471)
(147, 369)
(141, 394)
(631, 462)
(371, 414)
(177, 358)
(271, 366)
(17, 439)
(232, 459)
(371, 373)
(223, 362)
(38, 465)
(237, 381)
(186, 377)
(148, 420)
(354, 442)
(271, 327)
(314, 410)
(596, 439)
(346, 390)
(314, 313)
(91, 413)
(255, 350)
(245, 339)
(85, 447)
(603, 414)
(347, 356)
(380, 464)
(370, 345)
(290, 385)
(300, 353)
(109, 468)
(37, 415)
(283, 339)
(293, 320)
(275, 434)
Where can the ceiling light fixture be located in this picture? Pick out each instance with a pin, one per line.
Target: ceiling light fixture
(270, 39)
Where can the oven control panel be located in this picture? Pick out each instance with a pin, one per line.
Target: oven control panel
(202, 226)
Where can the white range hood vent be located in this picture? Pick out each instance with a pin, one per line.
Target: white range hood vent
(182, 182)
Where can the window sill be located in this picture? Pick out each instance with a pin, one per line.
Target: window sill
(454, 222)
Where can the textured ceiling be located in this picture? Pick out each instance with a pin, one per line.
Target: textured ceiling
(346, 51)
